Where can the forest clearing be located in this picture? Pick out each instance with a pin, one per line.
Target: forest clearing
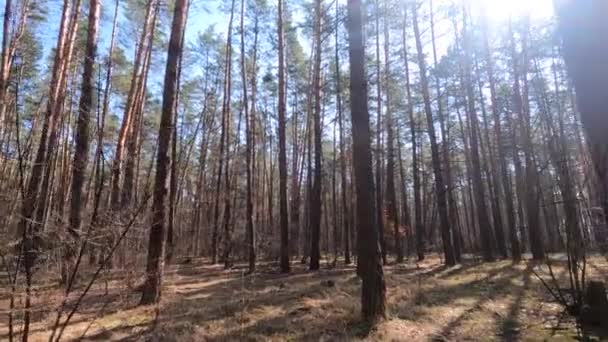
(426, 301)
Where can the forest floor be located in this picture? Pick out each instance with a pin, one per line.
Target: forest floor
(426, 302)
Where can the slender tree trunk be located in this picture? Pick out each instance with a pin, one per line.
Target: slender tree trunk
(418, 225)
(315, 199)
(440, 190)
(452, 209)
(227, 114)
(285, 267)
(155, 262)
(82, 140)
(391, 196)
(478, 188)
(127, 120)
(531, 175)
(343, 183)
(501, 167)
(378, 154)
(249, 122)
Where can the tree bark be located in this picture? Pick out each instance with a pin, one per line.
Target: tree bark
(155, 262)
(373, 288)
(501, 167)
(315, 199)
(418, 225)
(478, 188)
(285, 267)
(82, 140)
(584, 31)
(343, 184)
(378, 152)
(440, 190)
(391, 196)
(531, 175)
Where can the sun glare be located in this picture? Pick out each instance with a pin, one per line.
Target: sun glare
(499, 10)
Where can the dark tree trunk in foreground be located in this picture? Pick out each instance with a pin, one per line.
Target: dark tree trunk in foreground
(373, 288)
(284, 220)
(82, 141)
(440, 190)
(155, 262)
(584, 30)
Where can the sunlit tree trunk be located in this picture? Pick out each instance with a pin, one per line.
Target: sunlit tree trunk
(127, 119)
(82, 139)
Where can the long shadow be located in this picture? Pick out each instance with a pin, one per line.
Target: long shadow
(510, 326)
(459, 270)
(225, 300)
(501, 283)
(443, 295)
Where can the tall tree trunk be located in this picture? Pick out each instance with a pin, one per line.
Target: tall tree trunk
(440, 190)
(224, 141)
(98, 158)
(378, 154)
(133, 141)
(82, 140)
(391, 196)
(28, 231)
(127, 120)
(227, 114)
(418, 225)
(584, 31)
(155, 262)
(173, 189)
(452, 209)
(315, 199)
(478, 188)
(285, 267)
(249, 123)
(373, 288)
(343, 183)
(501, 167)
(523, 109)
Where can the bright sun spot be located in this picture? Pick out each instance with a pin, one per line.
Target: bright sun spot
(499, 10)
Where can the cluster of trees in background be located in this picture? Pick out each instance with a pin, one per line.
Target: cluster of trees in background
(419, 122)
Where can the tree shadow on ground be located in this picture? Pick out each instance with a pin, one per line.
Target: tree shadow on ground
(503, 283)
(510, 327)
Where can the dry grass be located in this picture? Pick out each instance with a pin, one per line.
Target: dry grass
(426, 302)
